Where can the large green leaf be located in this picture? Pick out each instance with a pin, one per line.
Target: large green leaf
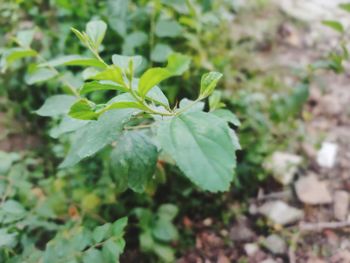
(201, 145)
(96, 135)
(177, 65)
(56, 105)
(134, 159)
(67, 125)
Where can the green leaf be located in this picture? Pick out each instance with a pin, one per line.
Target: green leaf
(100, 85)
(208, 83)
(40, 75)
(168, 28)
(334, 25)
(74, 60)
(168, 211)
(118, 227)
(165, 231)
(96, 31)
(112, 73)
(161, 52)
(96, 135)
(25, 37)
(345, 6)
(228, 116)
(56, 105)
(177, 65)
(13, 54)
(93, 255)
(7, 240)
(198, 106)
(112, 250)
(123, 62)
(215, 100)
(134, 40)
(67, 125)
(201, 145)
(11, 211)
(134, 158)
(101, 233)
(6, 160)
(83, 109)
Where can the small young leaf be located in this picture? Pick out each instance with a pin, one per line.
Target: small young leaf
(101, 85)
(208, 83)
(177, 65)
(122, 101)
(96, 31)
(56, 105)
(334, 25)
(112, 73)
(83, 109)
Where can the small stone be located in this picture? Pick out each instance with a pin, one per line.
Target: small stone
(281, 213)
(241, 231)
(341, 205)
(251, 248)
(269, 260)
(312, 191)
(275, 244)
(326, 155)
(283, 166)
(208, 221)
(223, 259)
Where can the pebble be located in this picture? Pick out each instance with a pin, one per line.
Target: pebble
(341, 205)
(312, 191)
(251, 248)
(240, 231)
(275, 244)
(281, 213)
(326, 155)
(269, 260)
(283, 166)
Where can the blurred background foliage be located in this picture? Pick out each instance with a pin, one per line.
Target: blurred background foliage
(40, 203)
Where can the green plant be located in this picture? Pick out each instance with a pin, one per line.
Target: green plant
(201, 143)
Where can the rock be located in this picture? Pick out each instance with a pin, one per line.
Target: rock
(240, 231)
(326, 155)
(312, 191)
(283, 166)
(223, 259)
(251, 248)
(281, 213)
(269, 260)
(275, 244)
(341, 205)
